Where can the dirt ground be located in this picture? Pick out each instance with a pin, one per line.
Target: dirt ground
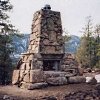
(57, 91)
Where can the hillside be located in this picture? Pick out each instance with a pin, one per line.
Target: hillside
(72, 45)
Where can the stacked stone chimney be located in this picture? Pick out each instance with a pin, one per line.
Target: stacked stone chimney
(46, 41)
(45, 52)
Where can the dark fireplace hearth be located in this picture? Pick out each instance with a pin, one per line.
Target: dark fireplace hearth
(51, 65)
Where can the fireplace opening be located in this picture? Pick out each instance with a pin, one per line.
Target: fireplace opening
(51, 65)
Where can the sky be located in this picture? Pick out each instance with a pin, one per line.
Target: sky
(73, 13)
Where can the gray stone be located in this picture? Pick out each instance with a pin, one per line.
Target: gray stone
(49, 49)
(28, 66)
(92, 81)
(53, 74)
(37, 86)
(30, 57)
(31, 86)
(23, 66)
(46, 41)
(77, 79)
(36, 76)
(15, 78)
(22, 72)
(26, 77)
(37, 55)
(57, 81)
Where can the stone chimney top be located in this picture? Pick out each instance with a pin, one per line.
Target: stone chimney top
(47, 7)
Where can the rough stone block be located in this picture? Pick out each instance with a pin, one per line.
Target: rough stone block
(23, 66)
(28, 66)
(57, 81)
(25, 58)
(49, 49)
(26, 77)
(37, 55)
(39, 63)
(24, 85)
(92, 81)
(46, 42)
(37, 22)
(53, 74)
(22, 72)
(32, 65)
(30, 57)
(31, 86)
(53, 36)
(15, 78)
(33, 47)
(37, 86)
(77, 79)
(36, 76)
(32, 42)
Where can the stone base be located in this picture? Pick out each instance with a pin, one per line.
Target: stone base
(31, 86)
(28, 76)
(37, 79)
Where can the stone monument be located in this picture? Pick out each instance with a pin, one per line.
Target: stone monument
(45, 61)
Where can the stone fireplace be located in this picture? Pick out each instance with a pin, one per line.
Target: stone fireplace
(45, 57)
(52, 62)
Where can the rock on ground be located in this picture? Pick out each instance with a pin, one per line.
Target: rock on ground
(57, 81)
(31, 86)
(77, 79)
(92, 81)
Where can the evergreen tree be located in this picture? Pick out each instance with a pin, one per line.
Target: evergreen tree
(97, 46)
(6, 31)
(85, 51)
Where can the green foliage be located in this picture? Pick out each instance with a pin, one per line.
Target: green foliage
(88, 54)
(66, 36)
(97, 45)
(6, 31)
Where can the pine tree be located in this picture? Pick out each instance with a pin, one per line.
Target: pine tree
(6, 31)
(97, 46)
(85, 51)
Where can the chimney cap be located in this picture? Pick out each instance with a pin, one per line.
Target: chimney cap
(47, 7)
